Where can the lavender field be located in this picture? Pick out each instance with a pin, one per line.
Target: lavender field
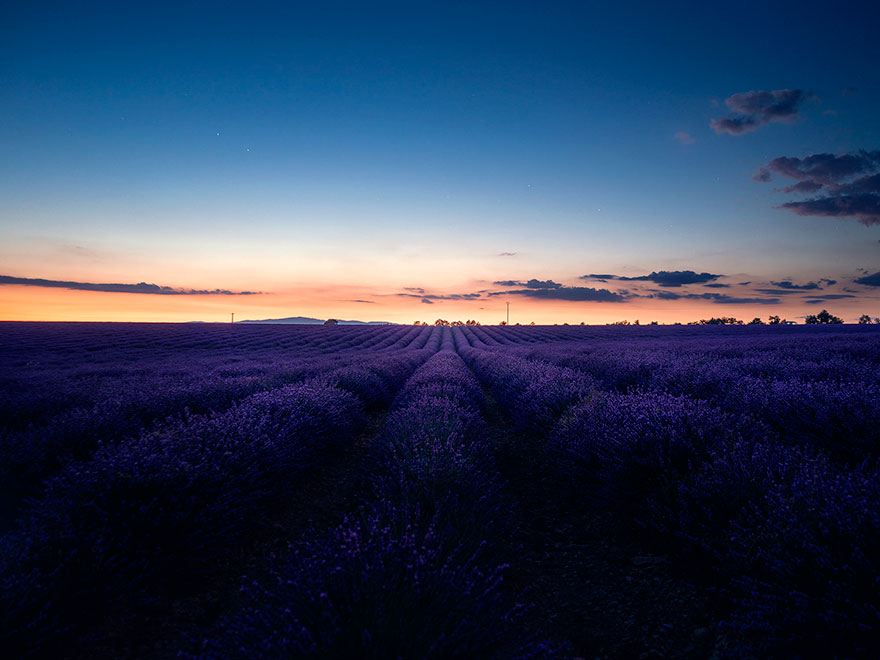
(217, 491)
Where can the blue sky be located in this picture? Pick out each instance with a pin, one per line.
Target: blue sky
(292, 149)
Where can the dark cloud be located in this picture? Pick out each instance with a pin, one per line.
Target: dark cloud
(850, 184)
(826, 168)
(140, 287)
(717, 298)
(734, 125)
(749, 110)
(743, 283)
(427, 302)
(864, 207)
(433, 296)
(830, 296)
(414, 289)
(674, 278)
(370, 302)
(866, 184)
(717, 285)
(666, 295)
(507, 254)
(601, 277)
(571, 293)
(790, 285)
(802, 187)
(828, 282)
(869, 280)
(542, 284)
(762, 175)
(531, 284)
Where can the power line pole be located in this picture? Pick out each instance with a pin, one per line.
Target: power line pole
(233, 318)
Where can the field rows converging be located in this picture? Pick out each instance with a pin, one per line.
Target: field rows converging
(269, 491)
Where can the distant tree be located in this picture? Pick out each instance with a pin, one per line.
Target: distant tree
(774, 320)
(822, 318)
(756, 321)
(503, 323)
(864, 319)
(654, 323)
(331, 322)
(721, 320)
(441, 322)
(532, 323)
(636, 322)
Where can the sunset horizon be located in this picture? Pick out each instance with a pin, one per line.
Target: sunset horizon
(402, 164)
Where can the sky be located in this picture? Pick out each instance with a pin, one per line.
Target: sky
(402, 161)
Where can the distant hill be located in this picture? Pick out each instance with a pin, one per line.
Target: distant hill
(306, 320)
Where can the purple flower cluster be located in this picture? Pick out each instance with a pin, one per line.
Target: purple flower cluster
(752, 460)
(148, 517)
(413, 576)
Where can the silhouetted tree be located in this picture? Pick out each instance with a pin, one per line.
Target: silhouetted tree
(864, 319)
(721, 320)
(822, 317)
(774, 320)
(331, 322)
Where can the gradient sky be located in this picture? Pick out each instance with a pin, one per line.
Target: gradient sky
(391, 162)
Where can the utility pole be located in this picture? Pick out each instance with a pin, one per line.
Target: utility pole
(233, 318)
(508, 313)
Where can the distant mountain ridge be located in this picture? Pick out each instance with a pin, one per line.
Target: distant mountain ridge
(307, 320)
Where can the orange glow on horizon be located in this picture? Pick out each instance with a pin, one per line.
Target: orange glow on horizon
(30, 303)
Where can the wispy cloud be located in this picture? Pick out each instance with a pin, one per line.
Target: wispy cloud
(717, 298)
(684, 138)
(140, 287)
(570, 293)
(507, 254)
(786, 284)
(530, 284)
(433, 296)
(749, 110)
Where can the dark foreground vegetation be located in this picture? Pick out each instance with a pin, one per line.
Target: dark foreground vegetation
(475, 492)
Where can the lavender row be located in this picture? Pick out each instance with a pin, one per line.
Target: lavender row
(793, 538)
(30, 456)
(413, 575)
(820, 394)
(39, 380)
(152, 519)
